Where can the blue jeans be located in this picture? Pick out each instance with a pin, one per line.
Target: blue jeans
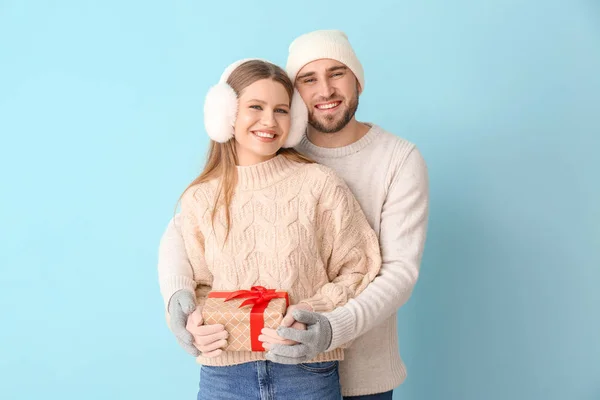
(378, 396)
(265, 380)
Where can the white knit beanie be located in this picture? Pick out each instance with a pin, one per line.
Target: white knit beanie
(321, 44)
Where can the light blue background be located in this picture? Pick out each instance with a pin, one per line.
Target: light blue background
(101, 129)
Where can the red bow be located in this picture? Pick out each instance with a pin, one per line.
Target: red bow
(256, 295)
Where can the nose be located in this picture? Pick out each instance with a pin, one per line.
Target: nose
(268, 118)
(326, 90)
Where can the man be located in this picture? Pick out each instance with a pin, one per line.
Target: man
(389, 178)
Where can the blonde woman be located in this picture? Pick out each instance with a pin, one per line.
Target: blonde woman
(262, 214)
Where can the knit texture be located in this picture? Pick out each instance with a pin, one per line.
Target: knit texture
(294, 227)
(331, 44)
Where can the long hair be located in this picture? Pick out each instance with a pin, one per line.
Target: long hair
(221, 159)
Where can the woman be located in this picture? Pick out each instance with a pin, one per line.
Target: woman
(261, 214)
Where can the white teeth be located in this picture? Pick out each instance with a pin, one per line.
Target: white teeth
(264, 134)
(327, 106)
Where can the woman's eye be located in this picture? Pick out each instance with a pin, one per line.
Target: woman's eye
(281, 110)
(256, 107)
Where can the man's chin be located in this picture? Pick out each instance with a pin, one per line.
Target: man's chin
(327, 126)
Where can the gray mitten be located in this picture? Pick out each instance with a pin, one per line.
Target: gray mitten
(314, 340)
(181, 305)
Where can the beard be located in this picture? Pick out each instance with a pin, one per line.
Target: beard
(329, 124)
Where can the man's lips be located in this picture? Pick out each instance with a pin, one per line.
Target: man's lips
(331, 105)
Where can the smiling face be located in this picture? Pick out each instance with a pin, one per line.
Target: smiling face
(330, 91)
(263, 121)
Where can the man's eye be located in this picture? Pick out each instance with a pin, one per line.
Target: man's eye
(309, 80)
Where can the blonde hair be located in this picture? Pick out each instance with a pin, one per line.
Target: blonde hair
(221, 159)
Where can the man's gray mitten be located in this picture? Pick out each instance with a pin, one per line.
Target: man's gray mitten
(311, 342)
(181, 305)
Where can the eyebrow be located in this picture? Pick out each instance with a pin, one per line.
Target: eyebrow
(331, 69)
(263, 102)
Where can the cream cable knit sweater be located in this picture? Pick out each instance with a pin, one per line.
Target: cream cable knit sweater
(295, 227)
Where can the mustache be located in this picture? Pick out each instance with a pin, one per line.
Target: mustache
(328, 99)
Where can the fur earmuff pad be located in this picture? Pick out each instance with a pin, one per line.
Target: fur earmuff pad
(299, 117)
(220, 111)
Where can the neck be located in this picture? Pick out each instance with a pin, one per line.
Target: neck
(349, 134)
(248, 161)
(246, 158)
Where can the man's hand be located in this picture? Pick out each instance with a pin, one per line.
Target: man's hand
(310, 342)
(181, 305)
(207, 339)
(270, 337)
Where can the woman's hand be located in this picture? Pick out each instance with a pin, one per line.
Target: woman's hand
(208, 339)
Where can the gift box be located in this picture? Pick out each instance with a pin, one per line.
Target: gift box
(244, 313)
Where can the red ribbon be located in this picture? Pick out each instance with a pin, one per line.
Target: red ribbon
(259, 297)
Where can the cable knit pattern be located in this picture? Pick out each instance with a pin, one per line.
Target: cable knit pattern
(295, 227)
